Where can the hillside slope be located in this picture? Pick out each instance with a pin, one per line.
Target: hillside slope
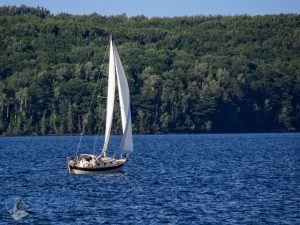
(186, 74)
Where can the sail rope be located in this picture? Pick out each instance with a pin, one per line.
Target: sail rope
(98, 132)
(90, 106)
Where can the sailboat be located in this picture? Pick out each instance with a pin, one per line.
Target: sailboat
(89, 163)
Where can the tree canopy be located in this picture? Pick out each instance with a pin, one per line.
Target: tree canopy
(186, 74)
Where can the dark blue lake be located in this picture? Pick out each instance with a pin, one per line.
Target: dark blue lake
(170, 179)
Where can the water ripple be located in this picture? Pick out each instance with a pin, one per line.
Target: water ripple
(170, 179)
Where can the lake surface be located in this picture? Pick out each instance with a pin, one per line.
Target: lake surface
(169, 179)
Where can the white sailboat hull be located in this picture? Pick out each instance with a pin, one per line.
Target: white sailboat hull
(76, 171)
(106, 165)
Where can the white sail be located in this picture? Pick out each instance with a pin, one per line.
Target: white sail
(123, 89)
(110, 98)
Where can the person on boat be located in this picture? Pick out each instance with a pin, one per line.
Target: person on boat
(84, 163)
(71, 161)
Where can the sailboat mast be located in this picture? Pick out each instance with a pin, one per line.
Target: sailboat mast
(110, 97)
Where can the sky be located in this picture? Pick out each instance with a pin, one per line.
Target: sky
(163, 8)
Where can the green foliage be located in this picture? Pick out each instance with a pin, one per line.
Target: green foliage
(186, 74)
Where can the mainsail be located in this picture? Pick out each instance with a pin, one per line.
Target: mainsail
(110, 98)
(116, 69)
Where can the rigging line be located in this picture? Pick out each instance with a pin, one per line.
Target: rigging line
(85, 120)
(96, 138)
(97, 130)
(98, 133)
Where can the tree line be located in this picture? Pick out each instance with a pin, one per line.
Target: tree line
(186, 74)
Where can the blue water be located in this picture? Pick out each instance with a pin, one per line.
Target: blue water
(170, 179)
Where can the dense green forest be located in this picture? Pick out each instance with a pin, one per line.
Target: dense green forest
(186, 74)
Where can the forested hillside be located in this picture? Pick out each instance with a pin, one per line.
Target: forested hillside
(186, 74)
